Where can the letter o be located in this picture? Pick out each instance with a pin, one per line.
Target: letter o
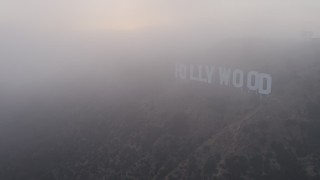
(183, 71)
(237, 74)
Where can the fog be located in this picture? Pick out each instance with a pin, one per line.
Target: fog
(45, 40)
(69, 68)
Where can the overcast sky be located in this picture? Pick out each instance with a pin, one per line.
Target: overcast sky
(127, 15)
(43, 39)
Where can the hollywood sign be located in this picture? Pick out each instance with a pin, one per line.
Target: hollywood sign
(252, 80)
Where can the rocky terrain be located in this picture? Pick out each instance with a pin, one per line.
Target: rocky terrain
(169, 129)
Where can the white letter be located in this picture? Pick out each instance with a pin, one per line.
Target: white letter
(250, 84)
(209, 71)
(177, 71)
(268, 79)
(200, 75)
(183, 71)
(224, 76)
(192, 78)
(237, 74)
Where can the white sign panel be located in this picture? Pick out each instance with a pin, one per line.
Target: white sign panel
(237, 78)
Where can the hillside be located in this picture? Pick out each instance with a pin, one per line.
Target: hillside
(170, 129)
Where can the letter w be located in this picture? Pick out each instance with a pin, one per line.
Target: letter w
(224, 76)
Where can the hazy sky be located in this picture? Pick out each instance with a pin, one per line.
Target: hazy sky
(43, 39)
(127, 15)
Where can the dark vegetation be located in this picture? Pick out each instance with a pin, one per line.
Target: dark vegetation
(175, 134)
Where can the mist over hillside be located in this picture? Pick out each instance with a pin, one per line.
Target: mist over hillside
(129, 120)
(140, 90)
